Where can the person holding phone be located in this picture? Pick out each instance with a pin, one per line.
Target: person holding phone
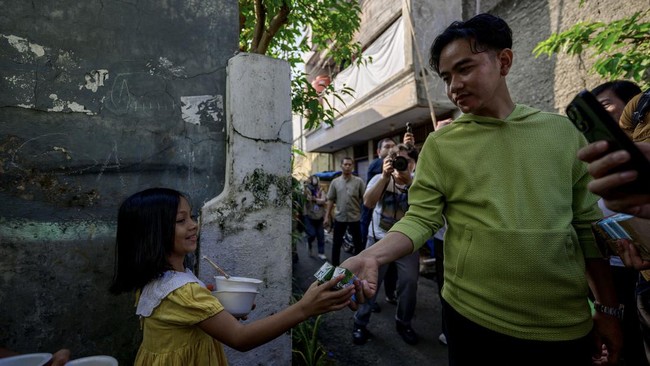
(608, 185)
(614, 96)
(609, 182)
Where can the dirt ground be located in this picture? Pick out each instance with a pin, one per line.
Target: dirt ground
(386, 347)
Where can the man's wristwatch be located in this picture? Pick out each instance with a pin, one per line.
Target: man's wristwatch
(612, 311)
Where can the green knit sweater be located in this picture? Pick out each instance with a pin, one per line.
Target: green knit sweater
(518, 211)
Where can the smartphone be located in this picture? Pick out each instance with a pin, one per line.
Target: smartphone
(590, 118)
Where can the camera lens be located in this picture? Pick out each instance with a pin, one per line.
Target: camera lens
(577, 120)
(400, 163)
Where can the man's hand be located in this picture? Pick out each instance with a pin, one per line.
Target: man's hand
(607, 184)
(366, 269)
(608, 338)
(409, 139)
(387, 168)
(630, 255)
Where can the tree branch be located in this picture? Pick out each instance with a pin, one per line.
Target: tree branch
(260, 20)
(278, 21)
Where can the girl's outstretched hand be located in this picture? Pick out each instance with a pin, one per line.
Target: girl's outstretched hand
(319, 299)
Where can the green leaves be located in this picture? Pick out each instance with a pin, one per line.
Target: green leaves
(305, 340)
(278, 28)
(621, 49)
(305, 100)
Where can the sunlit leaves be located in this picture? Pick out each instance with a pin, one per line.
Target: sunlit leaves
(333, 25)
(621, 49)
(308, 102)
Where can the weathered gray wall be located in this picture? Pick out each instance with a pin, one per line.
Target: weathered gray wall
(98, 99)
(551, 83)
(430, 18)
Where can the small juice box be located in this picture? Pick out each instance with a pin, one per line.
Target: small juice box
(324, 273)
(346, 281)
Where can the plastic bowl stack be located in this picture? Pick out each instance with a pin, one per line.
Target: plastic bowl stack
(236, 294)
(236, 283)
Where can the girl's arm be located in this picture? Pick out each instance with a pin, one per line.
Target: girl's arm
(317, 300)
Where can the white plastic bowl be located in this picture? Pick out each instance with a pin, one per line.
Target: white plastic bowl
(30, 359)
(93, 361)
(237, 303)
(236, 283)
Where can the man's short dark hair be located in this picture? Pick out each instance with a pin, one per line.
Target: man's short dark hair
(381, 142)
(623, 89)
(346, 158)
(486, 32)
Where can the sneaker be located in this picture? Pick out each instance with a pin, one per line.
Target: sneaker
(375, 308)
(360, 334)
(322, 256)
(407, 333)
(442, 338)
(391, 300)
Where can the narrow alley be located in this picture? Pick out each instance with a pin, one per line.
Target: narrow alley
(385, 347)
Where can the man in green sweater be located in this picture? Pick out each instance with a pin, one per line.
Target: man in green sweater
(519, 252)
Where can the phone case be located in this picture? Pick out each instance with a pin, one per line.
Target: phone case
(590, 118)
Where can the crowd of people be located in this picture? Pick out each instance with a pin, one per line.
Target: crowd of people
(515, 191)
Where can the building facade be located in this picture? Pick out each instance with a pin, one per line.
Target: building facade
(398, 86)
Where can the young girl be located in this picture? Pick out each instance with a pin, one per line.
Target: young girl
(183, 324)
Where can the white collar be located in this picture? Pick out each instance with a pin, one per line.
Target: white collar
(156, 290)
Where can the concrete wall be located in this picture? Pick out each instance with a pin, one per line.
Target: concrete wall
(550, 84)
(98, 99)
(430, 18)
(376, 16)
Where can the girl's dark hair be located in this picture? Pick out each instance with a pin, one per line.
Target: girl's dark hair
(146, 223)
(623, 89)
(485, 32)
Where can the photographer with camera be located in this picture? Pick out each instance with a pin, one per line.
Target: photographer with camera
(383, 148)
(609, 183)
(387, 193)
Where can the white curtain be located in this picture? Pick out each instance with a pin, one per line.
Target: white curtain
(387, 54)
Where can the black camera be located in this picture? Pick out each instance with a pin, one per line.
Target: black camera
(399, 163)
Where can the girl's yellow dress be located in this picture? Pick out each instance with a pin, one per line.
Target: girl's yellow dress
(171, 335)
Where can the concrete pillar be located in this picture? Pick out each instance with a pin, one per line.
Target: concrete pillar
(247, 228)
